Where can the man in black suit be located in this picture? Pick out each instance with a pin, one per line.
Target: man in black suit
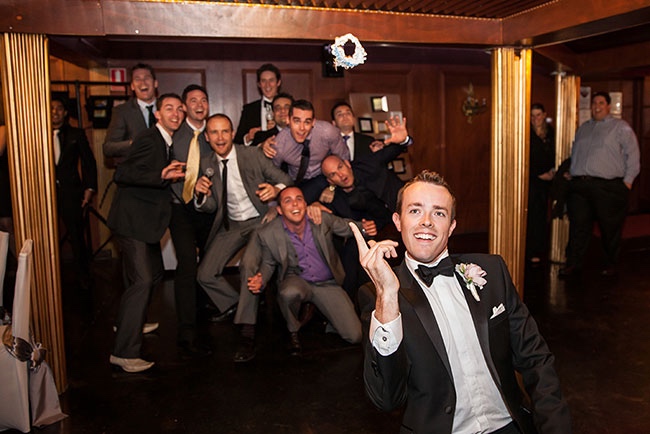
(255, 115)
(372, 165)
(241, 205)
(189, 228)
(281, 106)
(448, 339)
(135, 115)
(140, 214)
(74, 192)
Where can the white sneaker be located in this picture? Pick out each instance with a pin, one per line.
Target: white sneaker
(148, 327)
(131, 365)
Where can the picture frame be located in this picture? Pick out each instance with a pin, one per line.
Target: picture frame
(365, 125)
(380, 127)
(379, 103)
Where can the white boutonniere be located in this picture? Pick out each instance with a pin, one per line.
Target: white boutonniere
(473, 275)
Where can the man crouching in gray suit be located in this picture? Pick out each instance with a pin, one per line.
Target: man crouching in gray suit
(309, 269)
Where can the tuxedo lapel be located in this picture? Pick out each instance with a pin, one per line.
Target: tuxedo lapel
(477, 310)
(412, 292)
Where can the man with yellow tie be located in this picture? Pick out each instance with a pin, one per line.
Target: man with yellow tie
(189, 228)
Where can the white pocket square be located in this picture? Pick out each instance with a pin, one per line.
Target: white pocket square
(497, 310)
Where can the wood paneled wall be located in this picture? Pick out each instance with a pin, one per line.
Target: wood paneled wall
(431, 97)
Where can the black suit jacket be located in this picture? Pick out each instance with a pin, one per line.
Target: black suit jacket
(419, 371)
(74, 150)
(250, 118)
(371, 170)
(141, 207)
(261, 136)
(126, 122)
(362, 145)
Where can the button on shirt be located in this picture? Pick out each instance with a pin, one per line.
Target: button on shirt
(314, 268)
(479, 406)
(606, 149)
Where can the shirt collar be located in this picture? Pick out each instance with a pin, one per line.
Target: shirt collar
(143, 105)
(192, 126)
(165, 134)
(232, 154)
(412, 264)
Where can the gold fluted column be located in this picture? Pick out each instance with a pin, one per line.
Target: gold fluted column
(26, 90)
(566, 90)
(511, 75)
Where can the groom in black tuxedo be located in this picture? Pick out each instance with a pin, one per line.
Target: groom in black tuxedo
(448, 339)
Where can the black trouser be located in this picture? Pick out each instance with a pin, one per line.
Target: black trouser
(189, 229)
(601, 200)
(537, 222)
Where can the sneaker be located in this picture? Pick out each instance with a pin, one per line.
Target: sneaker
(130, 365)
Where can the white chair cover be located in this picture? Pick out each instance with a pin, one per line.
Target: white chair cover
(14, 387)
(4, 249)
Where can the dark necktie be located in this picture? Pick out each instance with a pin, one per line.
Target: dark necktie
(304, 161)
(152, 119)
(224, 194)
(427, 274)
(267, 105)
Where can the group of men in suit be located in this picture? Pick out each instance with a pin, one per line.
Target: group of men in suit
(447, 339)
(214, 214)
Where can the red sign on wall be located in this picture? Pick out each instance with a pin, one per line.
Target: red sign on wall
(117, 75)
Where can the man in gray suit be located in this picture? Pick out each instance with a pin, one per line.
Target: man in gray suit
(135, 115)
(139, 216)
(309, 269)
(241, 205)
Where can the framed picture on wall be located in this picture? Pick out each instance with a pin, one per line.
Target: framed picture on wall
(380, 127)
(365, 125)
(379, 103)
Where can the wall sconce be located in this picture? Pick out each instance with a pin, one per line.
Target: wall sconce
(471, 105)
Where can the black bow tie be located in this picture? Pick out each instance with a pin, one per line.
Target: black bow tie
(427, 274)
(267, 103)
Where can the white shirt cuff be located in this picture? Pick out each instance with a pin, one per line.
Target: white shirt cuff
(386, 337)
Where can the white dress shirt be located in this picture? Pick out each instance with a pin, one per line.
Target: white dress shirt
(145, 111)
(240, 207)
(479, 405)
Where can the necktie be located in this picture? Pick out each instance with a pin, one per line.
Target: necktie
(268, 105)
(304, 161)
(57, 147)
(427, 274)
(345, 140)
(224, 194)
(192, 167)
(152, 119)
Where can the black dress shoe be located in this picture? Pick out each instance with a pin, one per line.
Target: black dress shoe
(609, 272)
(194, 349)
(294, 345)
(225, 315)
(245, 350)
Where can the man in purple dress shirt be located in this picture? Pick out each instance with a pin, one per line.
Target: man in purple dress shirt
(303, 146)
(309, 269)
